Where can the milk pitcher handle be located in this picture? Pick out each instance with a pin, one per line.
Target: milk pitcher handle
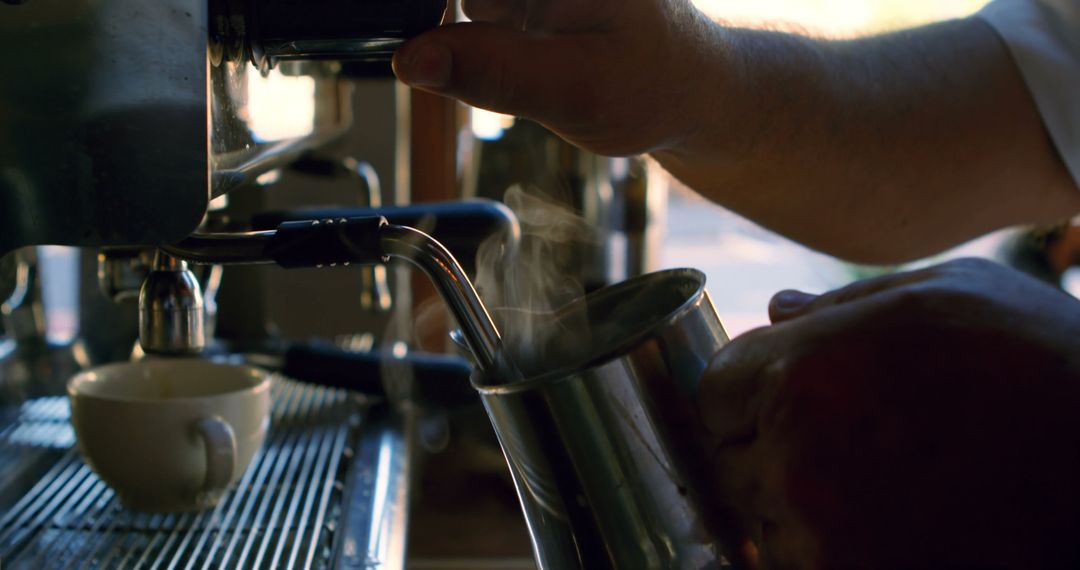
(220, 443)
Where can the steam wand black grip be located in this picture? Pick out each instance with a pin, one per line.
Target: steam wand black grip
(327, 242)
(460, 226)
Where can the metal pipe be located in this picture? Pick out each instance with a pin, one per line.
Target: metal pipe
(454, 287)
(223, 248)
(402, 242)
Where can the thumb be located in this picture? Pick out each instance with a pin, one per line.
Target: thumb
(501, 69)
(788, 304)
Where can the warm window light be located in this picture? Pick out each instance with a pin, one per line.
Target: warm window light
(60, 266)
(1071, 282)
(485, 125)
(280, 107)
(488, 126)
(838, 18)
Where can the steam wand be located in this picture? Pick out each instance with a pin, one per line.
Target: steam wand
(370, 240)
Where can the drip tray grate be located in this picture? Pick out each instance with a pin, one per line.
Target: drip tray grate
(282, 514)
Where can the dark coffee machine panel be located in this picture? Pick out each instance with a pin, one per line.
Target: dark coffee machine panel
(103, 129)
(121, 119)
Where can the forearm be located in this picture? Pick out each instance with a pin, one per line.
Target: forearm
(879, 149)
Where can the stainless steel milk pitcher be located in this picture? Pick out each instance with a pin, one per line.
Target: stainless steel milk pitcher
(602, 444)
(596, 415)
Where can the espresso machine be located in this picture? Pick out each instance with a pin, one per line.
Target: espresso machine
(144, 137)
(176, 149)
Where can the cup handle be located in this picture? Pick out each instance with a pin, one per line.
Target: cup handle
(220, 442)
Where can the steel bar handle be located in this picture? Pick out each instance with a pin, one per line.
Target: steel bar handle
(368, 240)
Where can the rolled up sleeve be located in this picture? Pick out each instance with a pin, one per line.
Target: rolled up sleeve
(1044, 39)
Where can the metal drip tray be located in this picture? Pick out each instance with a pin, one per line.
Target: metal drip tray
(325, 450)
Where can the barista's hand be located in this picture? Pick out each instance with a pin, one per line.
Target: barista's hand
(613, 76)
(926, 419)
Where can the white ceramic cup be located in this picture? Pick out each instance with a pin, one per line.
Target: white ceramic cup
(169, 435)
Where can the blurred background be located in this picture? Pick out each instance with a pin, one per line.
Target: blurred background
(746, 264)
(402, 147)
(838, 18)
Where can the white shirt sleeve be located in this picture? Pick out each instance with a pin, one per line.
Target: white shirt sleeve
(1044, 39)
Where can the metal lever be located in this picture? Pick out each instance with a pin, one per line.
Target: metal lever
(344, 241)
(18, 317)
(171, 310)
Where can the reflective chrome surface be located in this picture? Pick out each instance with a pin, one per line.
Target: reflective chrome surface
(58, 324)
(601, 447)
(20, 320)
(401, 242)
(231, 248)
(375, 507)
(251, 133)
(171, 310)
(21, 323)
(454, 287)
(122, 271)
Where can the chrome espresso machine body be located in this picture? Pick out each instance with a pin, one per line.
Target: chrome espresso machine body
(127, 125)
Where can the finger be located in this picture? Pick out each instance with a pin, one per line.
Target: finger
(542, 15)
(735, 385)
(737, 486)
(780, 547)
(502, 70)
(787, 305)
(502, 12)
(570, 15)
(732, 392)
(768, 554)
